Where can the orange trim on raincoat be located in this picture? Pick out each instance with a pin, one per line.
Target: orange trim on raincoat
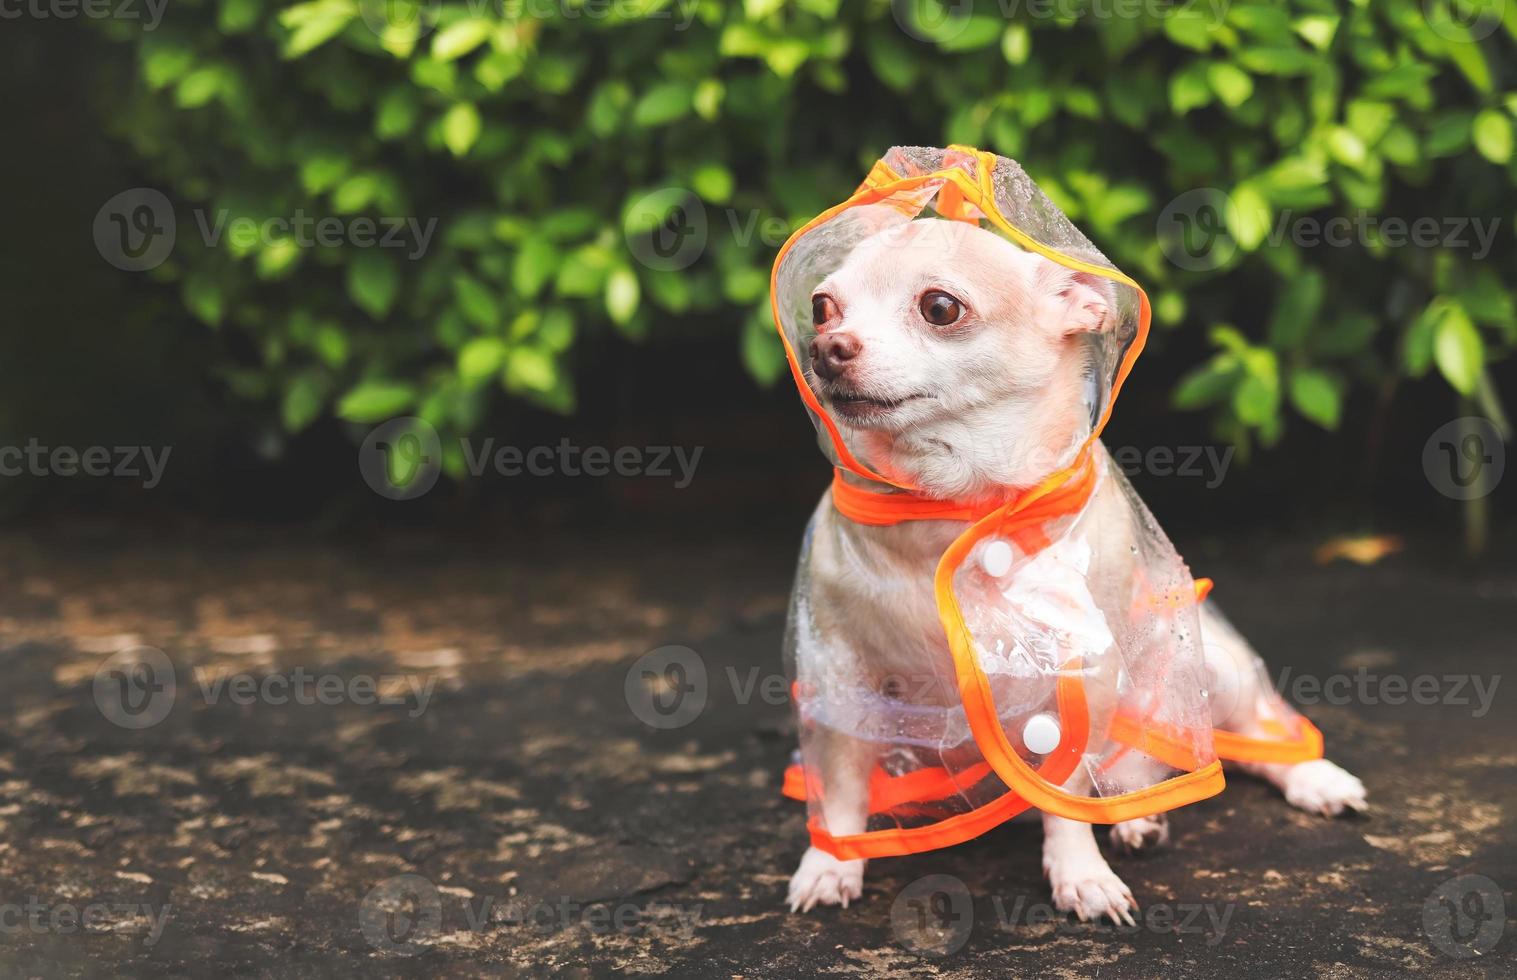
(1061, 494)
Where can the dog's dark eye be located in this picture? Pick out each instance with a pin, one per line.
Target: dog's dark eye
(822, 309)
(940, 309)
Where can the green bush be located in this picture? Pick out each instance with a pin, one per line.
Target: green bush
(531, 130)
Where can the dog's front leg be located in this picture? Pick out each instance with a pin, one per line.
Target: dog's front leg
(844, 764)
(1082, 881)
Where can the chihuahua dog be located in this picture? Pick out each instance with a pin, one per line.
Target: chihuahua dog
(950, 359)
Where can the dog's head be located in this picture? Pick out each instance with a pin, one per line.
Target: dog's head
(954, 359)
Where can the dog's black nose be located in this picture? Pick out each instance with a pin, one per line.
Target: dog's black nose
(831, 352)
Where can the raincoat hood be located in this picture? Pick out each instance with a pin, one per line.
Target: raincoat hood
(1078, 681)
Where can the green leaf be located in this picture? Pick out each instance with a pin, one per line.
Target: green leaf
(1205, 385)
(238, 16)
(355, 193)
(1296, 311)
(713, 182)
(278, 258)
(1231, 83)
(475, 301)
(1350, 334)
(373, 282)
(481, 358)
(663, 104)
(1189, 28)
(198, 88)
(1318, 30)
(1470, 60)
(322, 172)
(461, 37)
(1189, 88)
(1315, 395)
(763, 355)
(1016, 44)
(893, 61)
(1458, 349)
(1256, 401)
(331, 345)
(203, 297)
(1248, 216)
(396, 113)
(461, 127)
(708, 99)
(1279, 61)
(622, 295)
(163, 63)
(532, 369)
(1346, 147)
(302, 401)
(535, 264)
(1492, 132)
(973, 33)
(1417, 344)
(566, 224)
(374, 401)
(314, 24)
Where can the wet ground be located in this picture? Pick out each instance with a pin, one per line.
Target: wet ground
(254, 754)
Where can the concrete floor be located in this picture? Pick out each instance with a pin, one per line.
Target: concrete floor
(507, 814)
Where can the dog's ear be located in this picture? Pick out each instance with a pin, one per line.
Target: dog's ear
(1084, 301)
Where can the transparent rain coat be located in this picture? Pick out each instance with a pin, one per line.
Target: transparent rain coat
(1079, 683)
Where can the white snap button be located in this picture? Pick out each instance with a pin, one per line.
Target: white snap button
(1041, 734)
(996, 557)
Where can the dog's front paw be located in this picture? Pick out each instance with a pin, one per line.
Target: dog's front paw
(1141, 835)
(1322, 787)
(824, 880)
(1089, 889)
